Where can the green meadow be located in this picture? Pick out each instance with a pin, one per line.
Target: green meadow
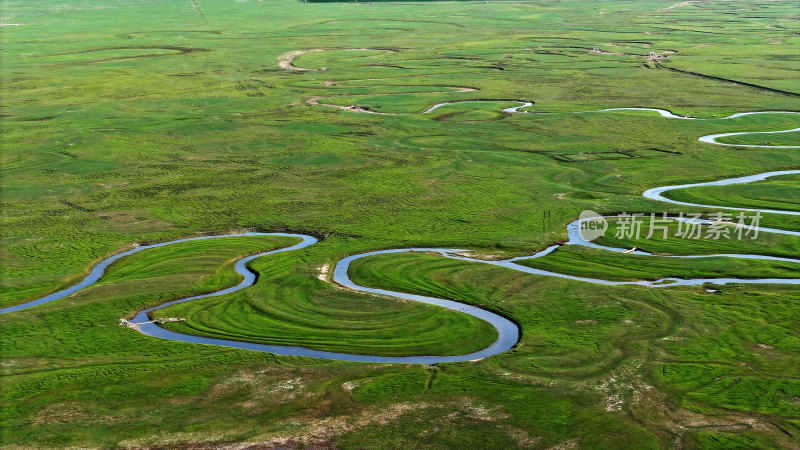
(146, 121)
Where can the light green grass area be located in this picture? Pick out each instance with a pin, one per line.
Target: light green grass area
(147, 121)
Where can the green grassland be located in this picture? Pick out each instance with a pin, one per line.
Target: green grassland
(145, 121)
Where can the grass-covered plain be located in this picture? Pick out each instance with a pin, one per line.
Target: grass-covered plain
(147, 121)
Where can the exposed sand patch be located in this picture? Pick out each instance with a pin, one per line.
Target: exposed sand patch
(315, 101)
(286, 60)
(605, 52)
(482, 256)
(687, 3)
(672, 338)
(569, 444)
(323, 272)
(652, 56)
(350, 385)
(479, 413)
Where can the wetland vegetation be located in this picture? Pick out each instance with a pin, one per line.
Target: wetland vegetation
(149, 121)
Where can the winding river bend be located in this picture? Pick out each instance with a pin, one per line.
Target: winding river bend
(508, 332)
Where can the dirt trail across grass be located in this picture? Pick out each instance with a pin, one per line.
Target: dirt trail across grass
(286, 60)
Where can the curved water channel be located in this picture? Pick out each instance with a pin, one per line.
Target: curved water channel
(508, 332)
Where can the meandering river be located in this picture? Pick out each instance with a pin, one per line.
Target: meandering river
(508, 332)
